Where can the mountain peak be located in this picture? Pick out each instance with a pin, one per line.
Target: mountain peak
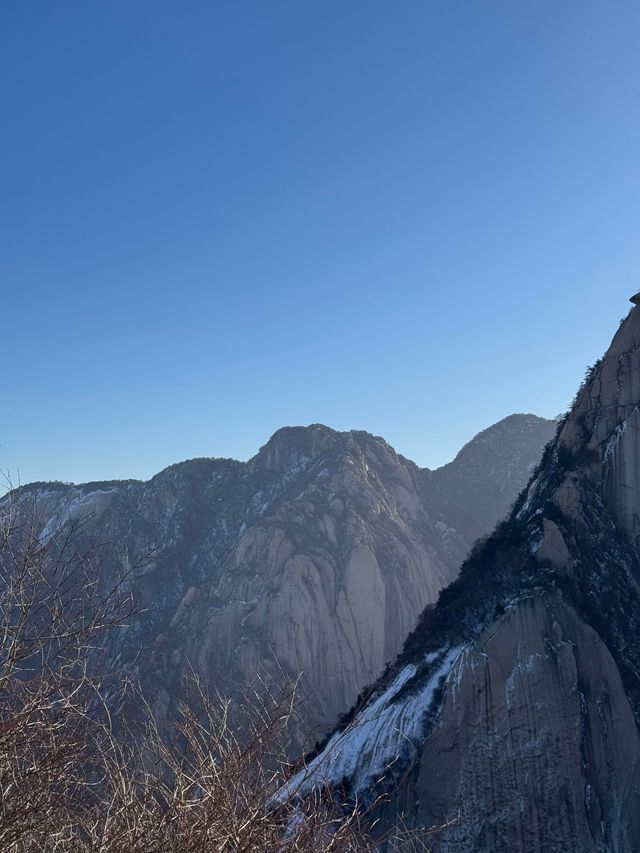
(294, 446)
(516, 424)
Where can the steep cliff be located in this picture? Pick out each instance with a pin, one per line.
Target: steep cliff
(512, 714)
(313, 558)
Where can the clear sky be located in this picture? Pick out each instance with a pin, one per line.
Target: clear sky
(218, 218)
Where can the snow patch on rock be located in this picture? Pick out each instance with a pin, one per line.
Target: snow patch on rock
(383, 734)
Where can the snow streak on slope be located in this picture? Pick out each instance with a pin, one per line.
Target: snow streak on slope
(382, 737)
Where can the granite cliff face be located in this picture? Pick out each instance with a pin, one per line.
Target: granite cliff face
(313, 558)
(513, 712)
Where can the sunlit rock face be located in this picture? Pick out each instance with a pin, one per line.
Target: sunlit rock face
(514, 708)
(310, 561)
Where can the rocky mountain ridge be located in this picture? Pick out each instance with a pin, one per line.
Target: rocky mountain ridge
(512, 716)
(314, 557)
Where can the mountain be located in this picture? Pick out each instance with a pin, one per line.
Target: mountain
(511, 717)
(313, 558)
(484, 480)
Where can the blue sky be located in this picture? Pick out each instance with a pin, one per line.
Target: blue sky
(219, 218)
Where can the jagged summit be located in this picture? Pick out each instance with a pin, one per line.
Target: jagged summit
(295, 442)
(635, 298)
(522, 422)
(492, 467)
(301, 445)
(513, 713)
(498, 441)
(296, 446)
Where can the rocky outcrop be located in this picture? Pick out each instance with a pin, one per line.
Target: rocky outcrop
(313, 559)
(537, 747)
(511, 718)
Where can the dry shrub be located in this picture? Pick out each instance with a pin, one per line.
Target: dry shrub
(205, 789)
(53, 612)
(77, 776)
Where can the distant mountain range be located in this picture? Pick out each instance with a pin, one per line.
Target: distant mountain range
(315, 557)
